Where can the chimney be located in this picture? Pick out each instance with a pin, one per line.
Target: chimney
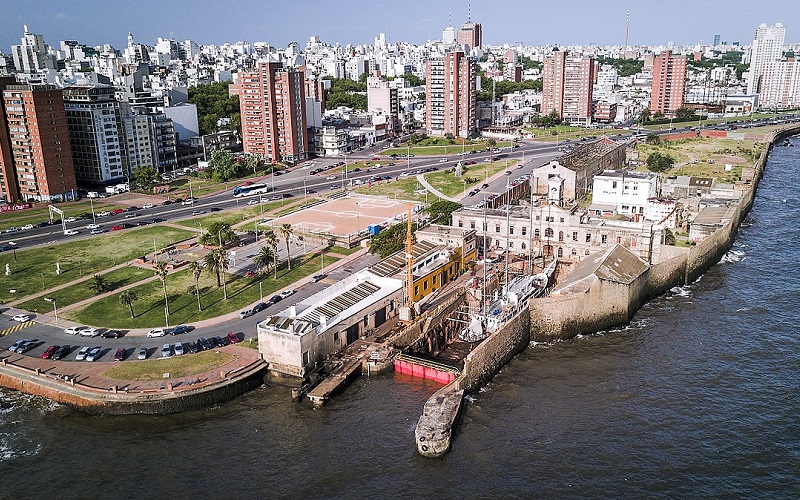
(323, 321)
(293, 311)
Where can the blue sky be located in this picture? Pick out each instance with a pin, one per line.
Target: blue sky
(356, 21)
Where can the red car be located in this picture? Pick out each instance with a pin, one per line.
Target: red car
(118, 227)
(120, 354)
(48, 353)
(117, 211)
(234, 338)
(375, 158)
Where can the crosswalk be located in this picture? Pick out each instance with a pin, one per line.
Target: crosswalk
(17, 328)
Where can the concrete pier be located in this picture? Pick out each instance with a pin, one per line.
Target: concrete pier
(321, 393)
(435, 427)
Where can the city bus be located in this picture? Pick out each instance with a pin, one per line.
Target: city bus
(250, 190)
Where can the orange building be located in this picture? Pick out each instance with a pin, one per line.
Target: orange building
(669, 83)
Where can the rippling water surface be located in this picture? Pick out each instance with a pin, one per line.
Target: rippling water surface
(697, 397)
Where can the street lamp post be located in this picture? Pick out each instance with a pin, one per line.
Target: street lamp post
(55, 311)
(14, 248)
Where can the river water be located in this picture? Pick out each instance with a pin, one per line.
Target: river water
(697, 397)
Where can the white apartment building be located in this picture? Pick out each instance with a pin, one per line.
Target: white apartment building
(780, 84)
(767, 46)
(622, 192)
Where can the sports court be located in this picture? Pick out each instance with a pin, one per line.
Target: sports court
(344, 216)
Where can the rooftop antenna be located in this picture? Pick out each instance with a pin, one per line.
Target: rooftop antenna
(449, 17)
(469, 12)
(627, 19)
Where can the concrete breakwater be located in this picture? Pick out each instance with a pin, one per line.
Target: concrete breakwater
(120, 402)
(604, 304)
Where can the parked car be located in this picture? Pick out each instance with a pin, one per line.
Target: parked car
(99, 230)
(27, 346)
(112, 334)
(74, 330)
(166, 202)
(120, 354)
(16, 345)
(179, 329)
(61, 352)
(27, 227)
(219, 341)
(21, 318)
(132, 208)
(104, 213)
(187, 201)
(142, 223)
(274, 300)
(178, 349)
(70, 232)
(48, 353)
(93, 226)
(118, 227)
(147, 205)
(318, 277)
(259, 307)
(205, 343)
(191, 346)
(166, 351)
(142, 353)
(94, 354)
(215, 209)
(89, 331)
(157, 220)
(233, 338)
(156, 332)
(246, 313)
(117, 211)
(286, 293)
(82, 353)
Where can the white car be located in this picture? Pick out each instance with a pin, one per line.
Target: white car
(178, 348)
(156, 332)
(22, 318)
(74, 330)
(331, 177)
(70, 219)
(443, 160)
(147, 205)
(93, 226)
(82, 354)
(187, 202)
(286, 293)
(93, 354)
(252, 202)
(27, 226)
(166, 351)
(104, 213)
(89, 332)
(70, 232)
(142, 353)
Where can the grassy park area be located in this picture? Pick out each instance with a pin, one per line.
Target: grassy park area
(176, 366)
(449, 149)
(450, 185)
(149, 307)
(404, 189)
(34, 269)
(81, 291)
(40, 212)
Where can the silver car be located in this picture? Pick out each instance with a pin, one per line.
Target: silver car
(166, 351)
(94, 354)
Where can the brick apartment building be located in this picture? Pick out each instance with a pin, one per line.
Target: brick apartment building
(669, 83)
(567, 85)
(450, 95)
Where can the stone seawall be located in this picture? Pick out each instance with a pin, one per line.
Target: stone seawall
(93, 401)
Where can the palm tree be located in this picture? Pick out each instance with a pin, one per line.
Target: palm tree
(161, 272)
(127, 298)
(286, 232)
(271, 241)
(196, 269)
(222, 264)
(99, 284)
(212, 264)
(264, 257)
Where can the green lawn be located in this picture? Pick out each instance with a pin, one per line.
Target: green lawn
(35, 268)
(450, 185)
(81, 291)
(442, 150)
(176, 366)
(343, 250)
(404, 189)
(41, 213)
(149, 308)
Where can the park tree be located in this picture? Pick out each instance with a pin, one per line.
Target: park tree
(224, 167)
(645, 115)
(144, 178)
(271, 241)
(127, 298)
(161, 272)
(264, 258)
(491, 142)
(440, 211)
(219, 233)
(99, 284)
(652, 138)
(659, 162)
(684, 113)
(286, 232)
(221, 256)
(212, 264)
(196, 269)
(213, 102)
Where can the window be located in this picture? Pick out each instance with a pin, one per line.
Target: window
(511, 230)
(416, 290)
(548, 232)
(524, 230)
(561, 236)
(560, 252)
(604, 239)
(561, 220)
(497, 228)
(336, 336)
(588, 238)
(536, 232)
(425, 285)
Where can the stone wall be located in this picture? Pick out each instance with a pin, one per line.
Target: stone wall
(490, 355)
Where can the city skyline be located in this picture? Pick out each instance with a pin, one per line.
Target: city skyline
(511, 21)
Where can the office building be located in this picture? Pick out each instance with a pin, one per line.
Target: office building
(272, 105)
(470, 35)
(567, 86)
(450, 95)
(39, 164)
(767, 47)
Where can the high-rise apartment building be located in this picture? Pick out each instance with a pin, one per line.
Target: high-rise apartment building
(96, 133)
(39, 163)
(272, 106)
(767, 46)
(450, 95)
(32, 55)
(470, 35)
(382, 99)
(567, 85)
(780, 84)
(669, 83)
